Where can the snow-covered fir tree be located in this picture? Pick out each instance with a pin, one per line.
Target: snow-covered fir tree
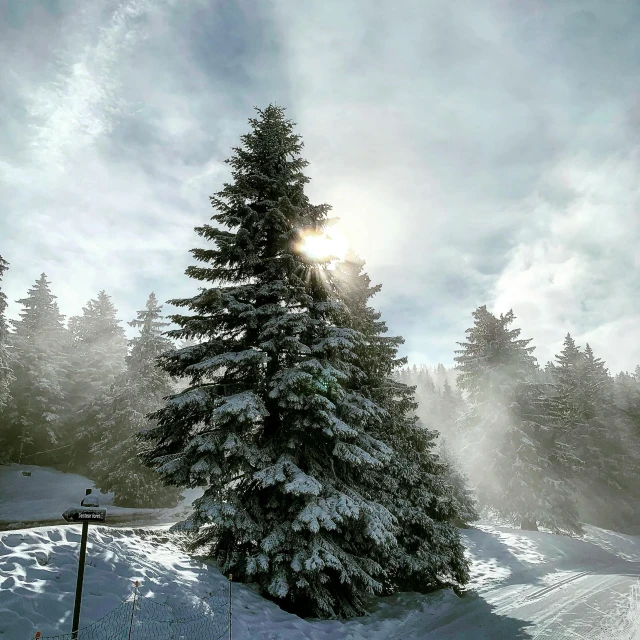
(40, 369)
(600, 440)
(584, 405)
(466, 503)
(5, 370)
(427, 397)
(438, 407)
(506, 429)
(414, 485)
(603, 451)
(99, 347)
(627, 421)
(568, 425)
(451, 405)
(97, 354)
(120, 415)
(440, 376)
(450, 410)
(271, 423)
(6, 375)
(628, 399)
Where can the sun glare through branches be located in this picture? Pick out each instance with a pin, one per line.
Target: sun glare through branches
(325, 246)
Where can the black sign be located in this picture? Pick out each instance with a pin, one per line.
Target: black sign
(85, 515)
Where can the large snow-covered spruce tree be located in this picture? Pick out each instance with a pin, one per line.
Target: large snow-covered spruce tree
(35, 416)
(508, 427)
(270, 424)
(119, 415)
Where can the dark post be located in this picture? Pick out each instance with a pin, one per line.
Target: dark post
(83, 553)
(230, 616)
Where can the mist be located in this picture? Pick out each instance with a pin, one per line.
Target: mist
(540, 446)
(475, 152)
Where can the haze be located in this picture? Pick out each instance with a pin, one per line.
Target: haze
(477, 153)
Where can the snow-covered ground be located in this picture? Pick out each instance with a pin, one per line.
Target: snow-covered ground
(524, 585)
(565, 587)
(42, 497)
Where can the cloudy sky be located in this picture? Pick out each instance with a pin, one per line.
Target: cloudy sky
(477, 151)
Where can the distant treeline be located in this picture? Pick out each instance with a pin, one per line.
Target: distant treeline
(553, 445)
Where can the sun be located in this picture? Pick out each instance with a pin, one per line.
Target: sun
(323, 246)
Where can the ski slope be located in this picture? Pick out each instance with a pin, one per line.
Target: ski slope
(524, 584)
(565, 587)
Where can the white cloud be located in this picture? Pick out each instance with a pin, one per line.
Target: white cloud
(78, 207)
(76, 107)
(477, 153)
(580, 273)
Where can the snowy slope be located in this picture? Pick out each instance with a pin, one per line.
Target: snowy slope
(567, 587)
(525, 585)
(42, 497)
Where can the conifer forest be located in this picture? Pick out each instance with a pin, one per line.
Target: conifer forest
(332, 468)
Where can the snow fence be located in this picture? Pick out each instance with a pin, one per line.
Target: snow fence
(143, 618)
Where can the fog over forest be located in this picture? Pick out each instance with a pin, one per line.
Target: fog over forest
(362, 276)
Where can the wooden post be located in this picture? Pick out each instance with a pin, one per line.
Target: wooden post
(83, 553)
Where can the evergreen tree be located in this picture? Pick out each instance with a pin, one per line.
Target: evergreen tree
(627, 404)
(507, 429)
(600, 450)
(5, 370)
(584, 407)
(425, 382)
(404, 377)
(270, 423)
(609, 464)
(450, 408)
(6, 375)
(628, 390)
(427, 398)
(120, 415)
(442, 410)
(592, 434)
(450, 405)
(465, 501)
(100, 347)
(440, 376)
(40, 370)
(416, 485)
(259, 424)
(566, 406)
(97, 355)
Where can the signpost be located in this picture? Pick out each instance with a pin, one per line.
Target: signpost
(89, 511)
(82, 515)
